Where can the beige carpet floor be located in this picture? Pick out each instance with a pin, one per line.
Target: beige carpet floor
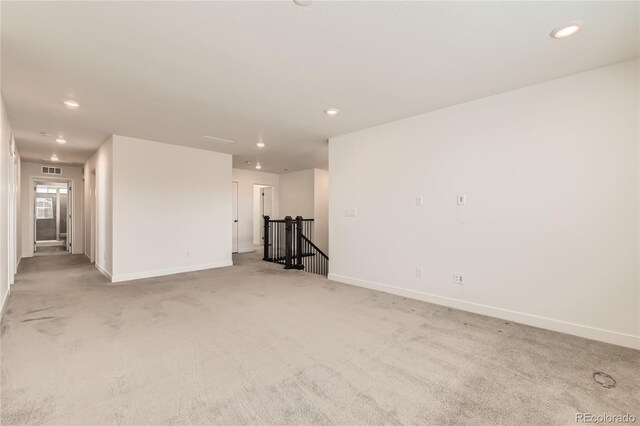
(254, 344)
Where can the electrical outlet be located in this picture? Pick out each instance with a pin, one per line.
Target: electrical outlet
(457, 278)
(351, 212)
(419, 272)
(461, 199)
(188, 253)
(419, 201)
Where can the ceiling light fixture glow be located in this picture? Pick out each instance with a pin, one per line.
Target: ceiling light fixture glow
(260, 144)
(258, 166)
(54, 158)
(61, 141)
(565, 31)
(331, 111)
(71, 104)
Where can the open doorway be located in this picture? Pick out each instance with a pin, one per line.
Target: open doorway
(262, 206)
(52, 218)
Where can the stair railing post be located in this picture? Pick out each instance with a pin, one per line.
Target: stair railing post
(299, 264)
(288, 242)
(266, 238)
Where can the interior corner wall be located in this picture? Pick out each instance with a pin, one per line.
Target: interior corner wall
(549, 235)
(321, 209)
(5, 158)
(296, 194)
(246, 180)
(101, 163)
(30, 171)
(171, 209)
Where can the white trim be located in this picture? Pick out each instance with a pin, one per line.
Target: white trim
(4, 302)
(103, 271)
(169, 271)
(580, 330)
(246, 250)
(71, 210)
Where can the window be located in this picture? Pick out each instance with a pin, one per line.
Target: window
(44, 208)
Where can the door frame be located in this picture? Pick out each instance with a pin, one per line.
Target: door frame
(235, 224)
(258, 229)
(33, 181)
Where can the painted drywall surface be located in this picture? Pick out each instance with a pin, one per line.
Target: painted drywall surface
(246, 225)
(549, 232)
(5, 146)
(296, 194)
(321, 209)
(33, 171)
(101, 164)
(171, 209)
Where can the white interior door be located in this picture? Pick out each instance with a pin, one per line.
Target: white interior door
(234, 216)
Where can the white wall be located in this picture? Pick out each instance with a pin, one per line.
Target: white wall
(550, 233)
(101, 163)
(31, 171)
(321, 209)
(306, 193)
(246, 180)
(7, 250)
(296, 194)
(171, 209)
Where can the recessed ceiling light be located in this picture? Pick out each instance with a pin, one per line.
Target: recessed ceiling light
(258, 166)
(331, 111)
(260, 144)
(54, 158)
(71, 104)
(565, 31)
(61, 141)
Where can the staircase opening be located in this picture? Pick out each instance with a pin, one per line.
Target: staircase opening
(289, 242)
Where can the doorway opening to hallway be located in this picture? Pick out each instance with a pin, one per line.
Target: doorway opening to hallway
(262, 206)
(51, 217)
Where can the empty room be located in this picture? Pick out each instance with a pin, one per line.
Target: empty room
(306, 212)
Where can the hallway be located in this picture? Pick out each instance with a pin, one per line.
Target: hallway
(253, 344)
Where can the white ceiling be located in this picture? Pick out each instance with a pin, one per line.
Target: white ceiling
(172, 71)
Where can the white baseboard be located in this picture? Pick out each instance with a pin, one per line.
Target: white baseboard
(103, 272)
(588, 332)
(169, 271)
(4, 302)
(245, 250)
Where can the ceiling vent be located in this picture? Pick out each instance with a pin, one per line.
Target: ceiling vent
(207, 140)
(51, 170)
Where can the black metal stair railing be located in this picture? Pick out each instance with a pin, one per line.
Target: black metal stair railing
(289, 242)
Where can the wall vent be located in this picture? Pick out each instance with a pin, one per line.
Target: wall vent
(51, 170)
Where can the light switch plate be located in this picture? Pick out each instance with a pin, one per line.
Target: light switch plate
(419, 201)
(351, 212)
